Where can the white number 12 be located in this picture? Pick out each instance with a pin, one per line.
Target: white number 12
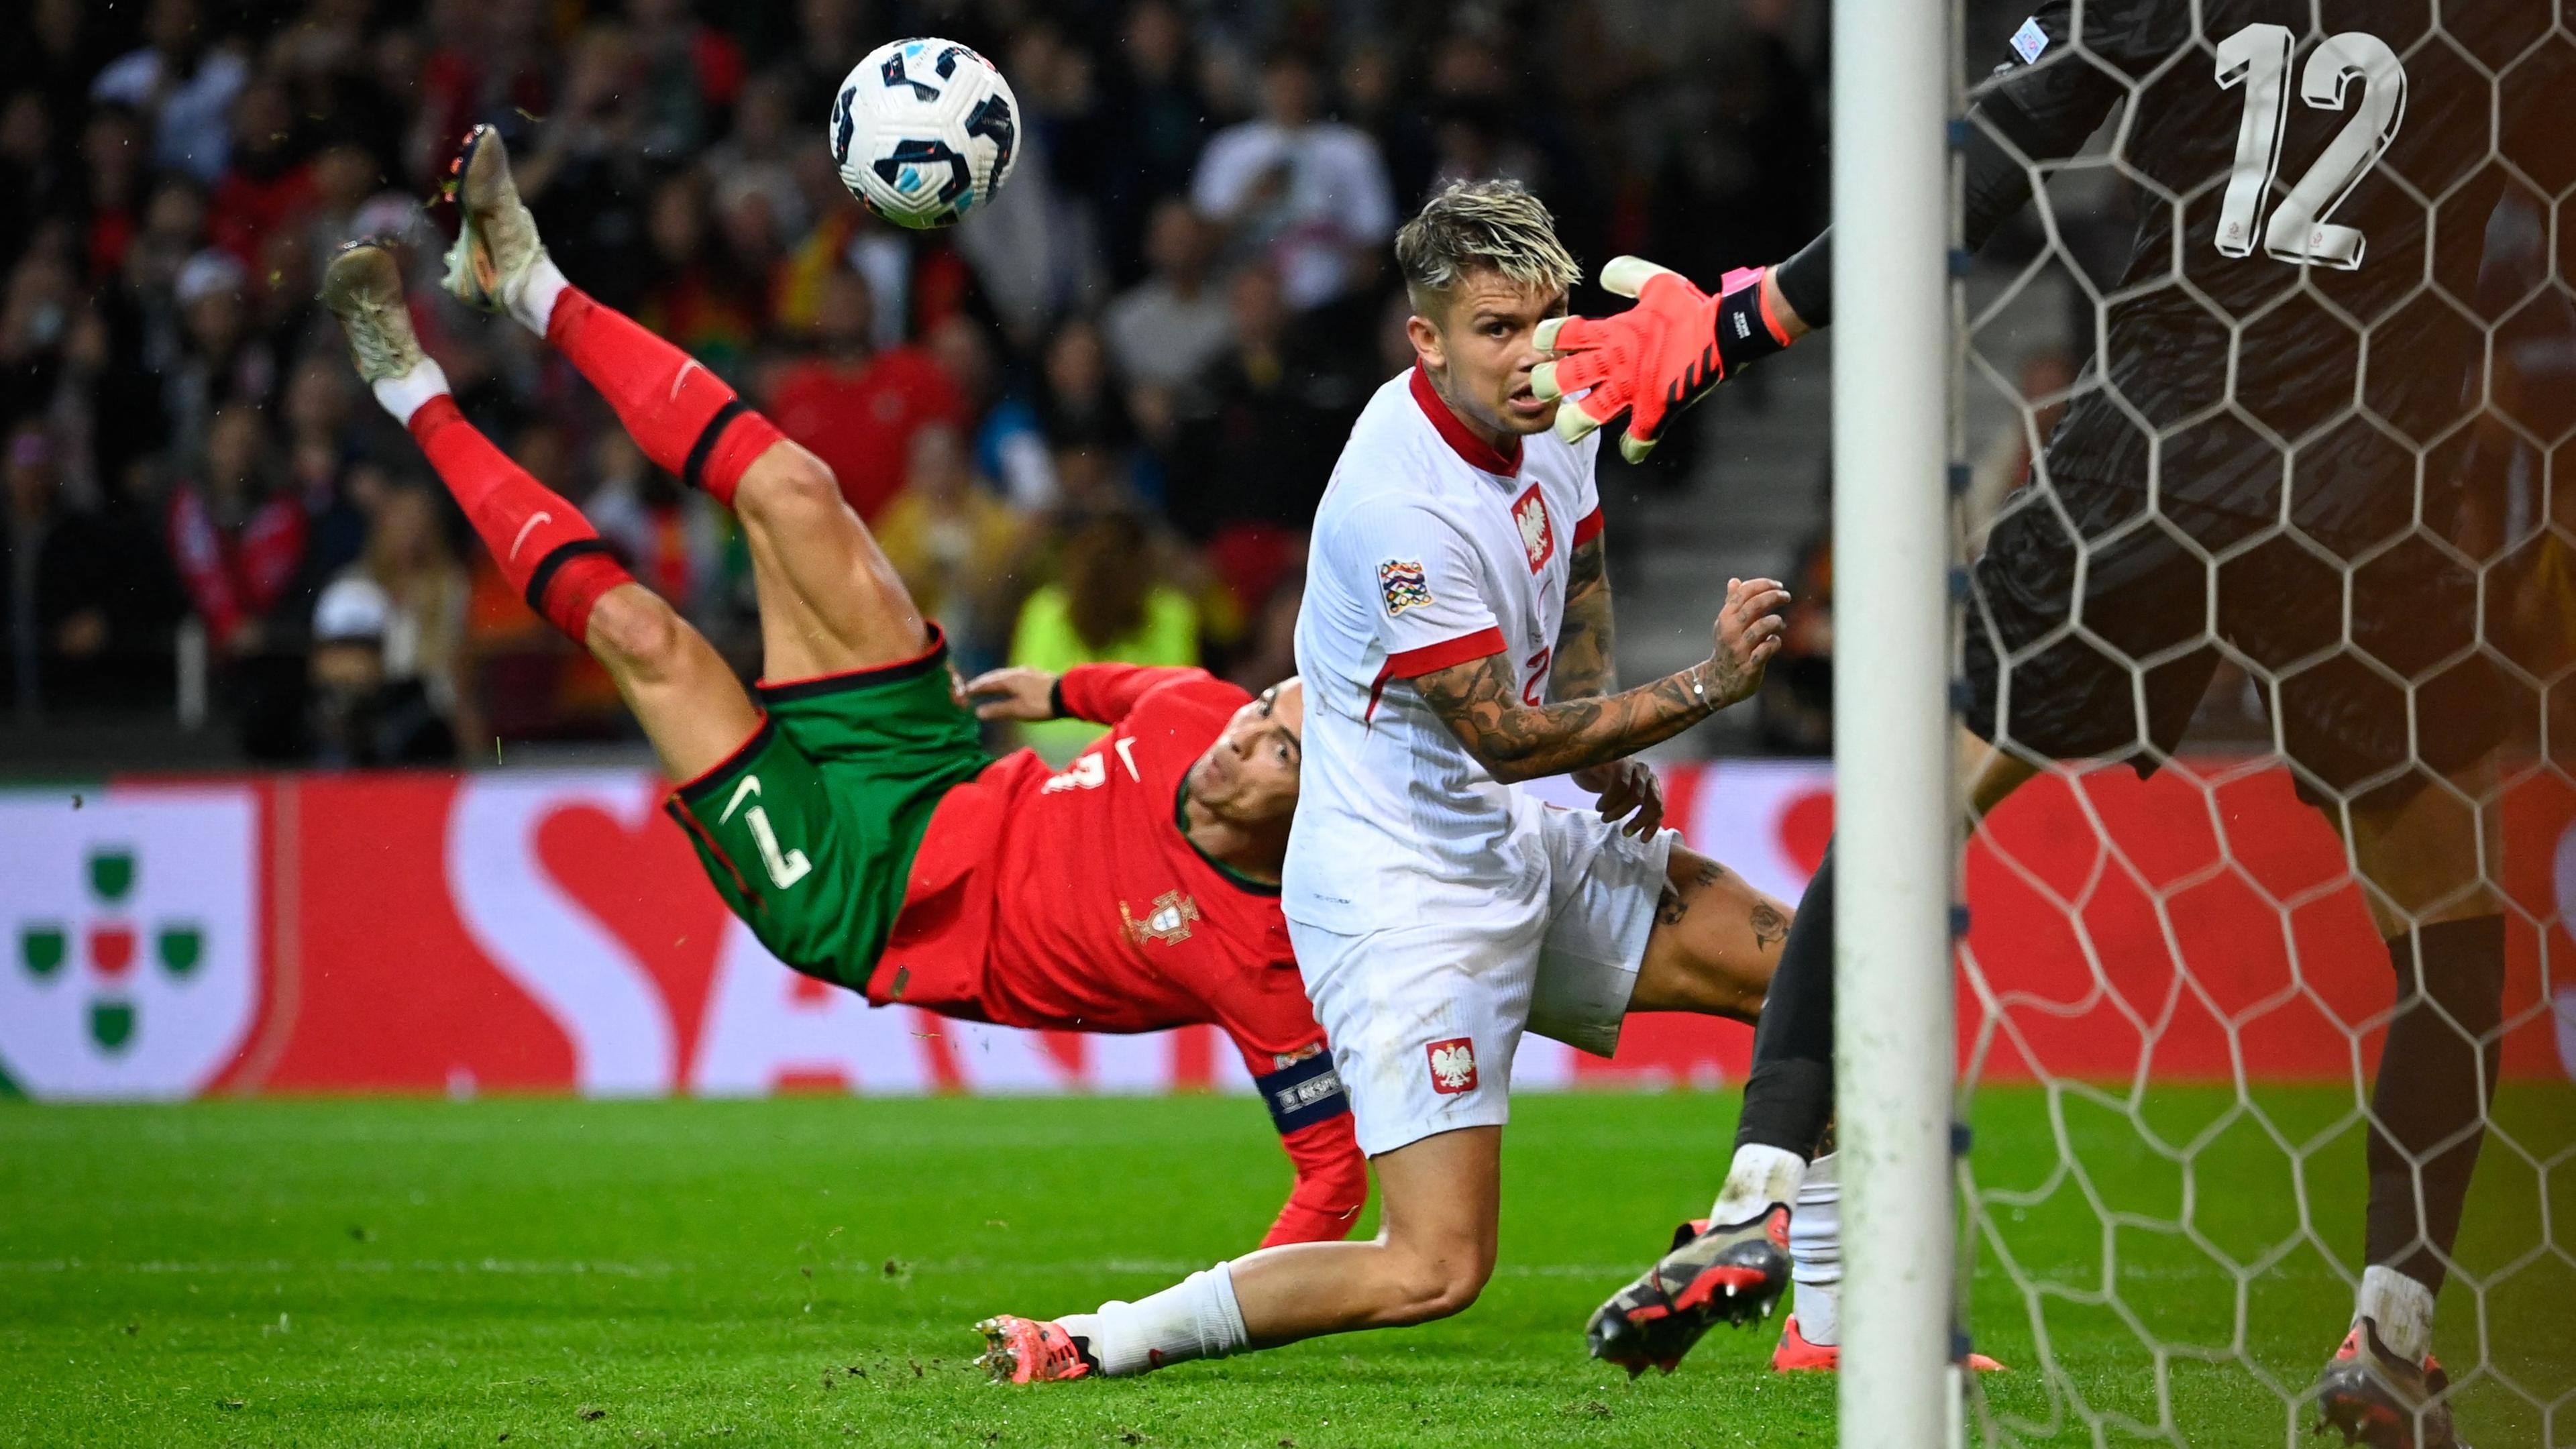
(2258, 58)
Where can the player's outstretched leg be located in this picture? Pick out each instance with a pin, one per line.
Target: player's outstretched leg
(1440, 1199)
(691, 706)
(829, 600)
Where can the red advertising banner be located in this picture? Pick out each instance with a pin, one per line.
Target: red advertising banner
(549, 931)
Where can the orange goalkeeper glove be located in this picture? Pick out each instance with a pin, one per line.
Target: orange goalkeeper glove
(1656, 358)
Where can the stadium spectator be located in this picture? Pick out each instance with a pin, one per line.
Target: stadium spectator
(225, 362)
(1079, 406)
(1256, 442)
(34, 184)
(1169, 329)
(1155, 121)
(237, 538)
(111, 191)
(953, 542)
(1110, 603)
(1474, 135)
(710, 293)
(759, 154)
(62, 47)
(266, 186)
(691, 74)
(856, 407)
(388, 643)
(185, 82)
(1009, 446)
(1307, 193)
(489, 58)
(1375, 99)
(84, 609)
(322, 458)
(35, 320)
(585, 176)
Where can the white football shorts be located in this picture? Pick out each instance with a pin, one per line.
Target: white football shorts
(1425, 1018)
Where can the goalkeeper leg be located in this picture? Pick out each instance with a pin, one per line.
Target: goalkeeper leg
(2419, 859)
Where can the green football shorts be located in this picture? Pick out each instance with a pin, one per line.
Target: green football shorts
(809, 829)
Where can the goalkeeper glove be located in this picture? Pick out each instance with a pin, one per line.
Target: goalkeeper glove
(1657, 357)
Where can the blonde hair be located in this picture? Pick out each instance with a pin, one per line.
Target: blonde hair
(1492, 224)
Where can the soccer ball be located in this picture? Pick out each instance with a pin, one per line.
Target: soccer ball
(924, 131)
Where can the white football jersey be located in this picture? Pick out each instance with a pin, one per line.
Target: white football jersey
(1430, 549)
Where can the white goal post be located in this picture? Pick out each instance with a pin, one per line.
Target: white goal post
(1898, 837)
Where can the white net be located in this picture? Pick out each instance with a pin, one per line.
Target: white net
(2267, 393)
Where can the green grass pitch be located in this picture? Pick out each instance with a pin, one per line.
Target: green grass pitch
(806, 1270)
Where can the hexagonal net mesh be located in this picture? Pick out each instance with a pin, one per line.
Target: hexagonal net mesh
(2268, 363)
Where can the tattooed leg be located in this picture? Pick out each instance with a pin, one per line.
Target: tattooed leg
(1715, 942)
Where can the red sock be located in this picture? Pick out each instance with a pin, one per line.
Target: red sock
(546, 549)
(684, 417)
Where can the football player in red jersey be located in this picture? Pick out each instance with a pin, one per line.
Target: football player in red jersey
(845, 807)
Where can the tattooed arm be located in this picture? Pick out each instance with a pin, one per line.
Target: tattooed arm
(1587, 656)
(1481, 701)
(1586, 666)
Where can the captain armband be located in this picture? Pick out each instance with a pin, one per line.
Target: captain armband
(1303, 1093)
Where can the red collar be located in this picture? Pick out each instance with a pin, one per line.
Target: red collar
(1478, 453)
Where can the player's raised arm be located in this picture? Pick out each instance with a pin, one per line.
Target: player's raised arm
(1100, 693)
(1679, 342)
(1482, 703)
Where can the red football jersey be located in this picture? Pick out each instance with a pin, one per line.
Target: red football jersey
(1071, 899)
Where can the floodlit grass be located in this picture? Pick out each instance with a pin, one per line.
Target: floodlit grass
(806, 1270)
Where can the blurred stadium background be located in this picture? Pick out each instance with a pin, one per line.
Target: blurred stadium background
(1089, 427)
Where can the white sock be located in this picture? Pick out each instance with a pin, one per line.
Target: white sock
(405, 395)
(1816, 1246)
(2401, 1308)
(534, 306)
(1760, 1177)
(1194, 1318)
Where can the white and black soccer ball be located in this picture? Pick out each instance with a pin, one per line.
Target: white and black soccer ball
(924, 131)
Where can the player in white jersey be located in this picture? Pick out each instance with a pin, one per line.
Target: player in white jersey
(1456, 639)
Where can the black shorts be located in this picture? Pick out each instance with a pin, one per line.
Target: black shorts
(2096, 621)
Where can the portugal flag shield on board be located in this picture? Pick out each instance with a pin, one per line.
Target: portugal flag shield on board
(129, 927)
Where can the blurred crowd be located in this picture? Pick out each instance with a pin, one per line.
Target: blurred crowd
(1090, 424)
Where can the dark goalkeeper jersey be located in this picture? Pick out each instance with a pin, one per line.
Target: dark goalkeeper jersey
(2301, 306)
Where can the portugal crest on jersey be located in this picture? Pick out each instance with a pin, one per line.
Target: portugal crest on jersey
(1167, 920)
(1538, 537)
(1453, 1066)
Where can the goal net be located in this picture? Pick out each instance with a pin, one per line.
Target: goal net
(2266, 411)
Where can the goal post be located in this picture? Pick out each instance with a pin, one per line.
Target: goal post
(1897, 832)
